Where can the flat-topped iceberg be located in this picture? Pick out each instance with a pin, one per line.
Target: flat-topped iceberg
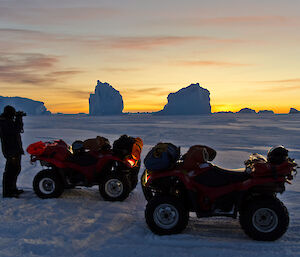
(27, 105)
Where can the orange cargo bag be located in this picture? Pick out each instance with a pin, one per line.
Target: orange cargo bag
(37, 148)
(137, 148)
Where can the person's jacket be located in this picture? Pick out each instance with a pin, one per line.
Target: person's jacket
(10, 134)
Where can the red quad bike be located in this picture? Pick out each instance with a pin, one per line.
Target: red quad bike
(211, 191)
(115, 171)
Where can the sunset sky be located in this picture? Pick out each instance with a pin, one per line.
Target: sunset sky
(246, 53)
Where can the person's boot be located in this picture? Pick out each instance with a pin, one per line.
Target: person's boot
(10, 195)
(18, 191)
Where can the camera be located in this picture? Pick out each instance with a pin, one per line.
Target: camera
(21, 114)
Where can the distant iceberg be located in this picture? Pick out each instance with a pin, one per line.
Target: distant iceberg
(247, 111)
(106, 100)
(27, 105)
(191, 100)
(266, 112)
(224, 112)
(293, 111)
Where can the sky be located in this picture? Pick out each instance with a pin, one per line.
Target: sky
(246, 53)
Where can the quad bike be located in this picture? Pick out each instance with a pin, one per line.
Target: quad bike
(115, 174)
(208, 190)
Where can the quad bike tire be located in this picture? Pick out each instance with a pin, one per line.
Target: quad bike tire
(48, 184)
(265, 219)
(166, 215)
(115, 187)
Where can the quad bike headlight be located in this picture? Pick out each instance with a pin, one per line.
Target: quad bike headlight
(131, 162)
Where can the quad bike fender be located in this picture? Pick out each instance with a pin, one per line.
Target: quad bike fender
(154, 179)
(105, 160)
(51, 161)
(268, 183)
(173, 186)
(109, 164)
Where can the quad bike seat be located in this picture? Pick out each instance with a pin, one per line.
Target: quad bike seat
(217, 176)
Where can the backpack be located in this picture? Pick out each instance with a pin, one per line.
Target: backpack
(163, 156)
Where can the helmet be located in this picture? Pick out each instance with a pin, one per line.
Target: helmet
(277, 154)
(9, 111)
(77, 146)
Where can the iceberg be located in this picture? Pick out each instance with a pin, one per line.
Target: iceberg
(105, 101)
(266, 112)
(191, 100)
(293, 111)
(27, 105)
(247, 111)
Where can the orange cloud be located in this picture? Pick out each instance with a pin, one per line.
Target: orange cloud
(78, 94)
(246, 20)
(294, 80)
(33, 68)
(57, 15)
(35, 38)
(145, 43)
(211, 63)
(279, 89)
(290, 85)
(146, 91)
(121, 69)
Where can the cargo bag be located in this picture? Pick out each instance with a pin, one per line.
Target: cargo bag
(137, 149)
(258, 166)
(97, 144)
(122, 147)
(57, 149)
(163, 156)
(196, 155)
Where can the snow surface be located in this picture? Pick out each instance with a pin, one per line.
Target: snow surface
(81, 223)
(106, 100)
(27, 105)
(191, 100)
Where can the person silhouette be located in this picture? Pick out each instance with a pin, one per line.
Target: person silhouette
(11, 127)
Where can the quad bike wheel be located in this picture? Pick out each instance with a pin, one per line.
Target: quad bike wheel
(166, 215)
(48, 184)
(264, 219)
(115, 187)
